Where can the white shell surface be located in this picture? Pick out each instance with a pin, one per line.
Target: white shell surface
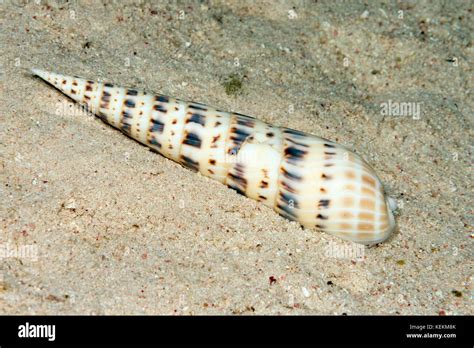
(305, 178)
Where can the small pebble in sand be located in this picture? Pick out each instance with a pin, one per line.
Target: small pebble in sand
(70, 205)
(305, 291)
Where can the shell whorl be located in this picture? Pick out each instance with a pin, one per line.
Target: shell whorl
(305, 178)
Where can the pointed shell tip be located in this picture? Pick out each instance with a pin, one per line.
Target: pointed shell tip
(38, 72)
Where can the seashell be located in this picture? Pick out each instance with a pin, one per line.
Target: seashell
(305, 178)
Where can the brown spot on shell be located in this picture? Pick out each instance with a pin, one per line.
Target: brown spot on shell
(346, 215)
(383, 219)
(367, 191)
(365, 236)
(349, 187)
(344, 226)
(244, 120)
(367, 204)
(365, 227)
(132, 92)
(324, 203)
(130, 103)
(287, 187)
(350, 175)
(190, 163)
(161, 98)
(160, 108)
(368, 180)
(366, 216)
(239, 179)
(294, 154)
(348, 202)
(197, 106)
(197, 118)
(290, 175)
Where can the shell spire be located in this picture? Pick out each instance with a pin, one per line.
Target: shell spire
(304, 178)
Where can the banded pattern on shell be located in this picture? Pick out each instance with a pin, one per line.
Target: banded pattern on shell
(305, 178)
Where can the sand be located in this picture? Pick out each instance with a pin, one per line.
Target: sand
(93, 223)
